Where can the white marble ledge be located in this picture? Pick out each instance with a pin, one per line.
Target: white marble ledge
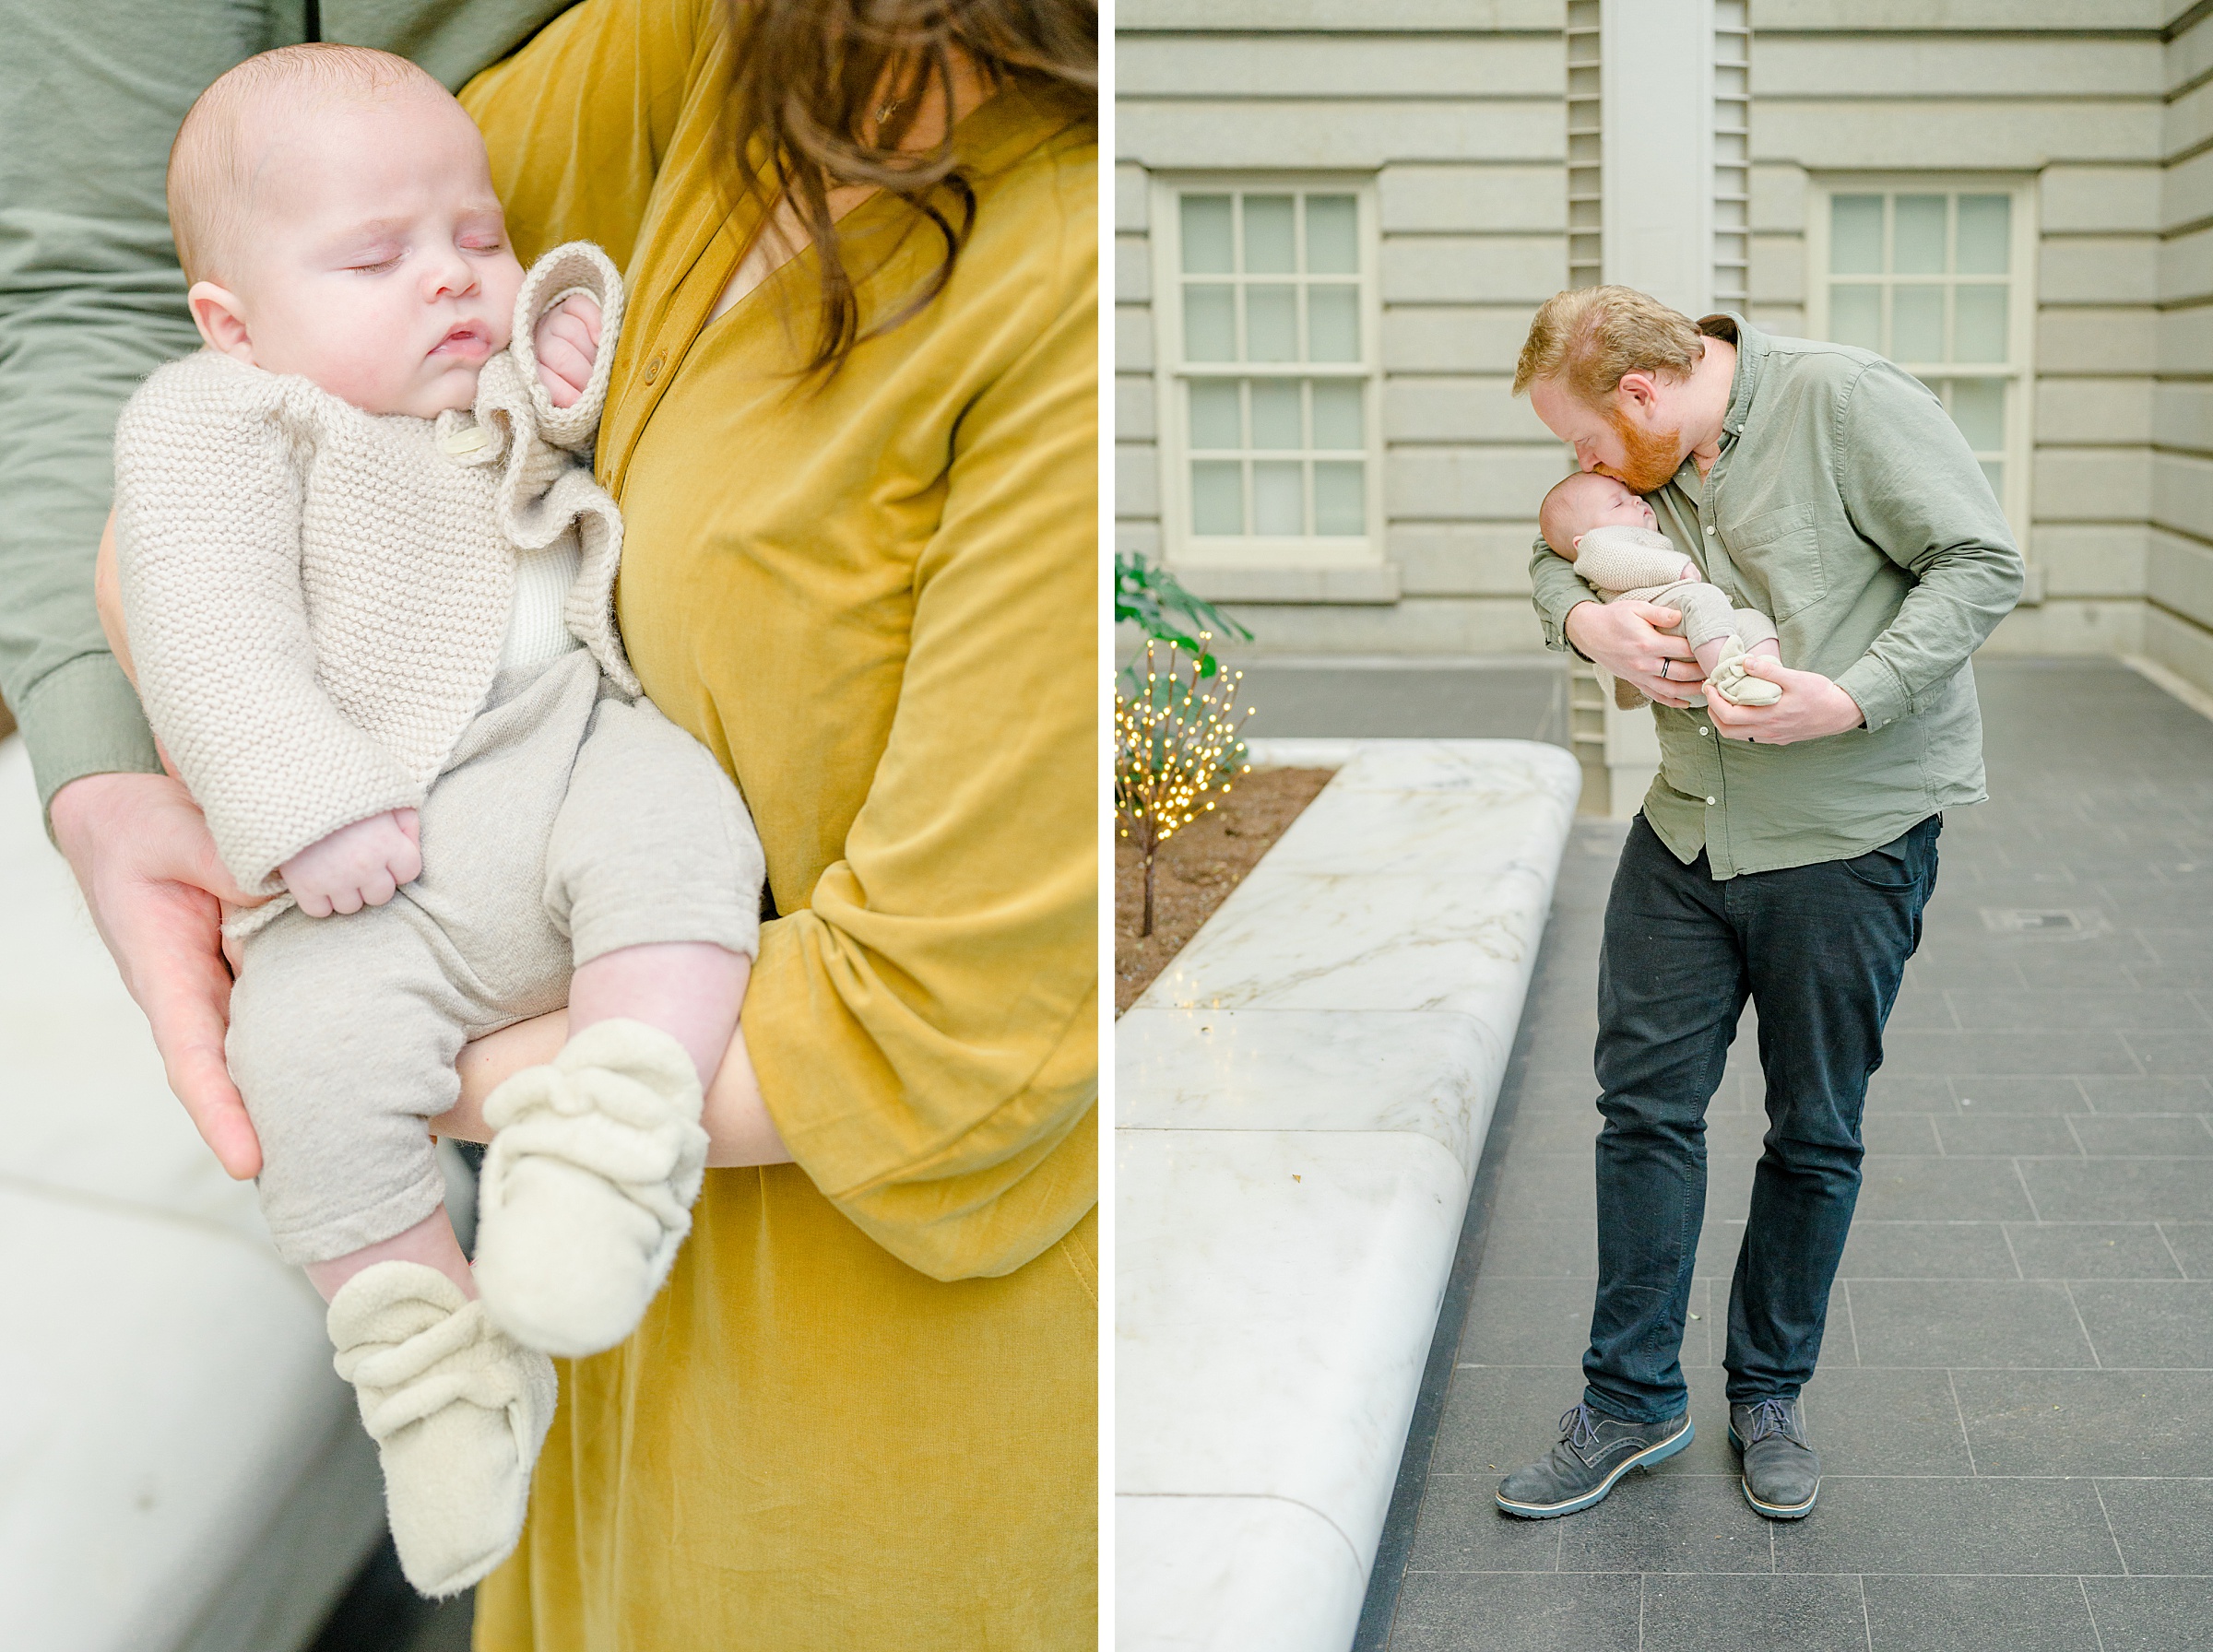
(162, 1388)
(1302, 940)
(1231, 1574)
(179, 1467)
(1275, 1294)
(1398, 895)
(1439, 835)
(1304, 1094)
(1500, 767)
(1427, 1073)
(83, 1098)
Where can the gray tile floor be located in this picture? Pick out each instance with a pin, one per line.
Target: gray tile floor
(2015, 1401)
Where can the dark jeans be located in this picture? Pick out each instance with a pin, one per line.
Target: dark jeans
(1819, 951)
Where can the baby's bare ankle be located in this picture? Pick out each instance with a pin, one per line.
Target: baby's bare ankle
(430, 1242)
(691, 990)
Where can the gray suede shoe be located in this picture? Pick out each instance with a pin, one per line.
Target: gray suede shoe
(1593, 1452)
(1782, 1473)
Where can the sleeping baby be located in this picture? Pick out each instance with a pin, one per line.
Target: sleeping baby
(368, 584)
(1613, 538)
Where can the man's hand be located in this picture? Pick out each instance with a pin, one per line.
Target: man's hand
(1812, 707)
(154, 883)
(1633, 641)
(357, 866)
(568, 343)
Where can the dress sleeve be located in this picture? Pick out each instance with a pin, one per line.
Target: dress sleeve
(926, 1031)
(207, 550)
(578, 122)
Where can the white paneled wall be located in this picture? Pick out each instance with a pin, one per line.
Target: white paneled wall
(1460, 110)
(1456, 109)
(2178, 577)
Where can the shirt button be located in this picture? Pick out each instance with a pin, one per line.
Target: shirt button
(1710, 530)
(1703, 729)
(653, 372)
(1710, 801)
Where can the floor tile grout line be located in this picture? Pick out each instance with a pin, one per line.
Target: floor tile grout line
(1866, 1619)
(2096, 1632)
(1851, 1321)
(2018, 1271)
(2160, 1228)
(2098, 1492)
(1639, 1611)
(2022, 1178)
(1960, 1411)
(2088, 1340)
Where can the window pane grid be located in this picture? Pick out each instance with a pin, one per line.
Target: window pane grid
(1926, 276)
(1923, 277)
(1275, 364)
(1277, 458)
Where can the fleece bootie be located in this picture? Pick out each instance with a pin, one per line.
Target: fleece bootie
(457, 1411)
(586, 1190)
(1736, 685)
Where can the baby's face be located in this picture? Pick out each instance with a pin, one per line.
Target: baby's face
(375, 259)
(1601, 502)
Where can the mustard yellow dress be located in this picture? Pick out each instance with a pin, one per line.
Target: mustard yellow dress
(862, 1414)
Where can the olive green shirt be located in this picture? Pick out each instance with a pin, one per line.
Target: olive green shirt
(1846, 505)
(91, 299)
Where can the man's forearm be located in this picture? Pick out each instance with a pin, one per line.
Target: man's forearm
(1556, 591)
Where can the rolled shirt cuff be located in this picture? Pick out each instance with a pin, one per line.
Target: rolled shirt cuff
(84, 718)
(1556, 627)
(1877, 690)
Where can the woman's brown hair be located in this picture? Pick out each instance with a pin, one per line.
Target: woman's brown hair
(823, 92)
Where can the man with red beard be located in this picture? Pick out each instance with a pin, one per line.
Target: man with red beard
(1784, 853)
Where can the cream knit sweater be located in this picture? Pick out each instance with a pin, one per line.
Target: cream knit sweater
(317, 597)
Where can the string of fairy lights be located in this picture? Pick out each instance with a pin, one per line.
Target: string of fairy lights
(1176, 742)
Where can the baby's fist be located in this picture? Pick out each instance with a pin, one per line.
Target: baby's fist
(357, 866)
(567, 340)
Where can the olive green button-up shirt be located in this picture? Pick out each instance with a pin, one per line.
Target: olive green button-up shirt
(1846, 505)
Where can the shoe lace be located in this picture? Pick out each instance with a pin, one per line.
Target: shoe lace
(1770, 1417)
(1579, 1429)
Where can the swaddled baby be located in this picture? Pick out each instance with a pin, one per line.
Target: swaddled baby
(1613, 538)
(367, 581)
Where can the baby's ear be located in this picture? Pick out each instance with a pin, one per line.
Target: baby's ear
(216, 312)
(1576, 543)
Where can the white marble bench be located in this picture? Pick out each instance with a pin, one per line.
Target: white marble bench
(180, 1469)
(1301, 1102)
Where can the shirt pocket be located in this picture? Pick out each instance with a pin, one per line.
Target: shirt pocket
(1780, 550)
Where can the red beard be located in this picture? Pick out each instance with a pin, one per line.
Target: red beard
(1653, 456)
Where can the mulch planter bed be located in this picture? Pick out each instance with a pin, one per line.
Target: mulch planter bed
(1197, 869)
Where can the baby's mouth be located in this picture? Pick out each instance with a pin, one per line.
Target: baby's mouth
(470, 342)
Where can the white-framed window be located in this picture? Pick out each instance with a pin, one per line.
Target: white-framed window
(1936, 273)
(1266, 317)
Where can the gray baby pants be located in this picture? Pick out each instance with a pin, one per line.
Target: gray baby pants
(1707, 616)
(568, 822)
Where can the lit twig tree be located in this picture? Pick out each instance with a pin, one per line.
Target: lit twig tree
(1175, 740)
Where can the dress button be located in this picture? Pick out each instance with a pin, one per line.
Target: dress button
(653, 372)
(1703, 729)
(1710, 530)
(1710, 801)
